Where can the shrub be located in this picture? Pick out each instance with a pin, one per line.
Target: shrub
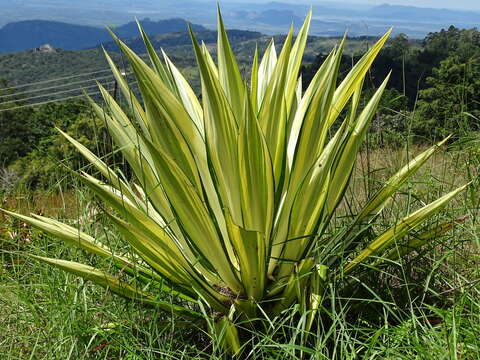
(233, 196)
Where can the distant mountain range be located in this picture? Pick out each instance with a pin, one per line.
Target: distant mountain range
(330, 19)
(426, 15)
(30, 34)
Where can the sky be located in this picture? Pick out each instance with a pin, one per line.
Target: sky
(457, 4)
(449, 4)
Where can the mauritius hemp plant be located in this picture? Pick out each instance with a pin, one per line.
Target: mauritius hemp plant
(233, 194)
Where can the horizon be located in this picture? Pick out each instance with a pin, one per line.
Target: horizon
(435, 4)
(464, 5)
(359, 17)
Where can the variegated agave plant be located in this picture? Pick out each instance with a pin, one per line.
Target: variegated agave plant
(233, 195)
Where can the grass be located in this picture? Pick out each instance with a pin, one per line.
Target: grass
(426, 307)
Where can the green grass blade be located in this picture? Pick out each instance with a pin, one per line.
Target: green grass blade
(402, 228)
(118, 287)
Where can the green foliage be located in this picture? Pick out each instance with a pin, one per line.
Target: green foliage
(438, 78)
(401, 56)
(25, 129)
(231, 198)
(40, 167)
(440, 45)
(450, 101)
(31, 67)
(18, 134)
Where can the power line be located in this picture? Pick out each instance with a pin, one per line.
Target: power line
(56, 86)
(52, 80)
(49, 101)
(55, 93)
(54, 100)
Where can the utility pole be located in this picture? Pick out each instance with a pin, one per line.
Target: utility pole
(115, 86)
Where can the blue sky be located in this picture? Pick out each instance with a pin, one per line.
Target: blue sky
(457, 4)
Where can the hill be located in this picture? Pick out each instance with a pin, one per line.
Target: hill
(40, 76)
(32, 66)
(22, 35)
(180, 39)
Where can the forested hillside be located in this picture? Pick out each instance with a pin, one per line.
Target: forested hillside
(433, 90)
(34, 66)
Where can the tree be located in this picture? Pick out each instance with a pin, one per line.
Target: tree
(37, 167)
(29, 143)
(16, 127)
(439, 45)
(444, 107)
